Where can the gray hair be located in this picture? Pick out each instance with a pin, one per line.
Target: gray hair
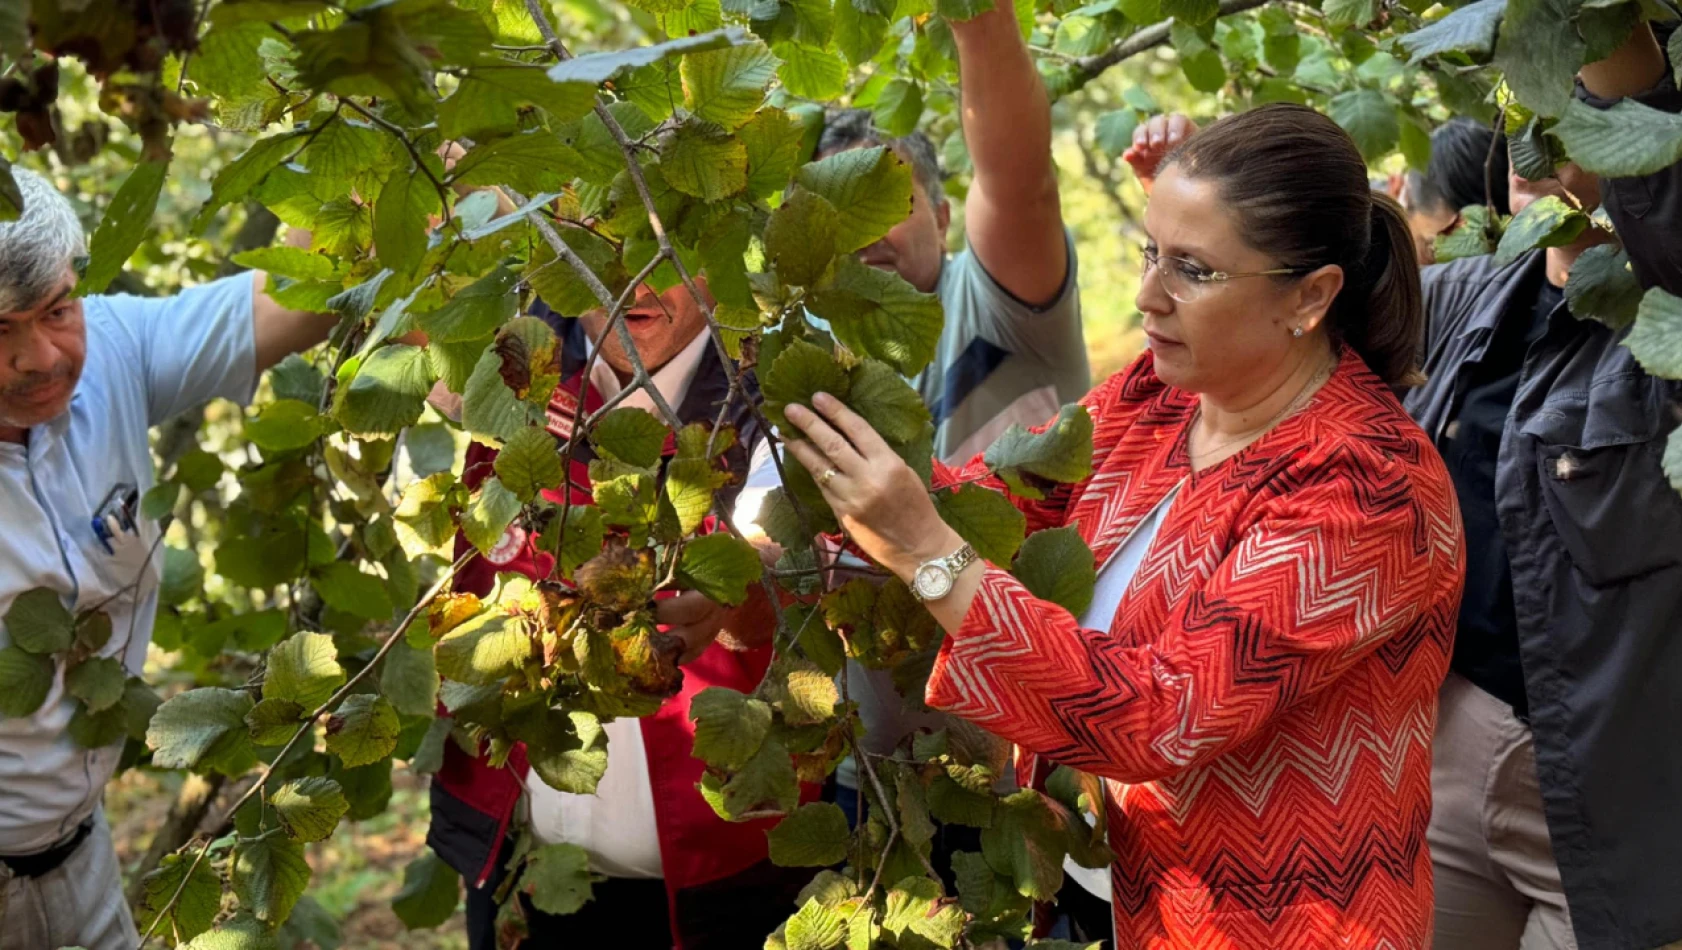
(854, 128)
(36, 249)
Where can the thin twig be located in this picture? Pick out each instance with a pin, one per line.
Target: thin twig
(420, 162)
(309, 724)
(1489, 168)
(187, 57)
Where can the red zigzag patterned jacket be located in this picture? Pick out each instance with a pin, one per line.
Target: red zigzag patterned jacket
(1263, 702)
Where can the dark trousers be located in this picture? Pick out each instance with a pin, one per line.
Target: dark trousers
(1089, 918)
(631, 914)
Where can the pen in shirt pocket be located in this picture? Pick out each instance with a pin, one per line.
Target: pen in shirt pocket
(113, 522)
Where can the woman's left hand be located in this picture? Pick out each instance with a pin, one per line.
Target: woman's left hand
(880, 502)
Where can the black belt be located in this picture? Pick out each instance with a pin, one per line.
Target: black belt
(48, 861)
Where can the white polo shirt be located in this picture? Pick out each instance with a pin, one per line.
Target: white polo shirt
(147, 360)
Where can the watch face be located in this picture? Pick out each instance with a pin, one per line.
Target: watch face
(933, 581)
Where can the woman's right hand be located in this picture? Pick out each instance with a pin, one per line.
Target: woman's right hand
(1152, 141)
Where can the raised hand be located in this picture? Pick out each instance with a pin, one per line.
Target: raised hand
(1152, 141)
(880, 501)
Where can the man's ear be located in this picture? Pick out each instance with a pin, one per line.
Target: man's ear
(943, 216)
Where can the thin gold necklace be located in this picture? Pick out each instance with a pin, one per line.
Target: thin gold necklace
(1297, 402)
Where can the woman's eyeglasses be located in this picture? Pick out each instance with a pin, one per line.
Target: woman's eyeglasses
(1187, 282)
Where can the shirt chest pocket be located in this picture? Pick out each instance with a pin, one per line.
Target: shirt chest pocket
(1602, 481)
(118, 574)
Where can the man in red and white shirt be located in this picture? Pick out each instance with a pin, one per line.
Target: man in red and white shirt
(676, 875)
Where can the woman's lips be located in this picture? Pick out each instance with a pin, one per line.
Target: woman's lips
(1158, 341)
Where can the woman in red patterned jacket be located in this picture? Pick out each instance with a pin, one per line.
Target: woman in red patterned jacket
(1281, 559)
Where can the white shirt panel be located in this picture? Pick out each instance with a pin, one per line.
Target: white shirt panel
(1112, 585)
(617, 824)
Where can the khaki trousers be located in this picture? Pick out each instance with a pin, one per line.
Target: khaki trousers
(1497, 887)
(80, 904)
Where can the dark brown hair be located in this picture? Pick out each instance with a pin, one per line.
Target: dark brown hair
(1299, 189)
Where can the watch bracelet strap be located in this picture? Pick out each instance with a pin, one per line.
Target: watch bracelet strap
(960, 559)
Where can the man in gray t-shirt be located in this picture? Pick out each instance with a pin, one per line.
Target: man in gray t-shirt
(1012, 350)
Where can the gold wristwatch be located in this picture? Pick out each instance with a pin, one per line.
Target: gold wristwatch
(935, 579)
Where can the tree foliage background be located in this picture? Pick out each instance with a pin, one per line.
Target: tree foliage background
(306, 635)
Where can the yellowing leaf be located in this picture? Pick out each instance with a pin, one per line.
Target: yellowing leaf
(363, 730)
(729, 726)
(483, 650)
(705, 162)
(309, 808)
(557, 876)
(726, 86)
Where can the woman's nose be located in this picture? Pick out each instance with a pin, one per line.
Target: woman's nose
(1151, 298)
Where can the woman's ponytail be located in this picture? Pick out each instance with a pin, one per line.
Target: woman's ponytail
(1388, 326)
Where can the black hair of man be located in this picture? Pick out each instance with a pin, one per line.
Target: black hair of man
(1462, 171)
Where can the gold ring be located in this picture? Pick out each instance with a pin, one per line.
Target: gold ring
(826, 477)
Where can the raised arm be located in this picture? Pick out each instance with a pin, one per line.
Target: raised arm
(1633, 68)
(1013, 216)
(1646, 210)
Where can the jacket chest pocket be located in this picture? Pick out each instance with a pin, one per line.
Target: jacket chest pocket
(1603, 483)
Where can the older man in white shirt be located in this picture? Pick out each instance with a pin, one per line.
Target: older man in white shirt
(81, 382)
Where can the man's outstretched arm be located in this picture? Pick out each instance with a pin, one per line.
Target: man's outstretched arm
(279, 331)
(1013, 216)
